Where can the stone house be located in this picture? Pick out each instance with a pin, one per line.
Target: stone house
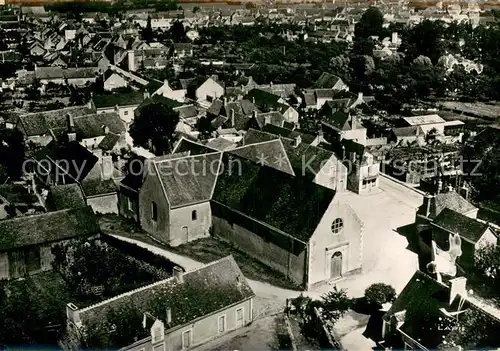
(338, 125)
(124, 104)
(185, 198)
(25, 244)
(421, 315)
(185, 319)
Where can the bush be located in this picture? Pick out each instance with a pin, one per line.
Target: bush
(380, 293)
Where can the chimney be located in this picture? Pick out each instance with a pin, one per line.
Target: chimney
(464, 191)
(107, 167)
(450, 188)
(146, 95)
(394, 37)
(360, 96)
(225, 101)
(253, 100)
(267, 119)
(231, 115)
(131, 61)
(428, 198)
(168, 317)
(298, 140)
(72, 314)
(439, 186)
(71, 128)
(353, 122)
(458, 287)
(179, 274)
(71, 123)
(271, 85)
(105, 129)
(254, 113)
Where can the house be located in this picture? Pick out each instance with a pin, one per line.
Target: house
(175, 317)
(321, 166)
(237, 196)
(330, 81)
(164, 89)
(305, 137)
(181, 50)
(65, 196)
(264, 100)
(26, 242)
(249, 212)
(122, 103)
(101, 194)
(427, 123)
(405, 135)
(113, 80)
(67, 76)
(36, 126)
(364, 175)
(435, 203)
(203, 89)
(19, 199)
(181, 211)
(338, 125)
(429, 310)
(473, 233)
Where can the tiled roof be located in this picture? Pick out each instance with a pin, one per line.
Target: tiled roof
(96, 187)
(451, 200)
(273, 118)
(187, 111)
(337, 119)
(455, 222)
(216, 107)
(292, 204)
(17, 194)
(194, 148)
(117, 99)
(47, 227)
(253, 136)
(39, 123)
(221, 144)
(326, 81)
(189, 180)
(272, 153)
(66, 196)
(203, 291)
(109, 141)
(405, 131)
(288, 133)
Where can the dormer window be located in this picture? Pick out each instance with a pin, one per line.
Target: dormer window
(154, 211)
(157, 332)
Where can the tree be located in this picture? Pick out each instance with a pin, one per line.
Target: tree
(196, 9)
(335, 304)
(12, 152)
(120, 326)
(155, 127)
(147, 33)
(370, 23)
(178, 32)
(380, 293)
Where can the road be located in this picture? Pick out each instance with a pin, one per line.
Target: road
(403, 193)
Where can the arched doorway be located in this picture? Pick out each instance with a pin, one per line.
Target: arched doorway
(336, 265)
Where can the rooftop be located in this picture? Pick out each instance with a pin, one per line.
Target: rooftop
(422, 120)
(47, 227)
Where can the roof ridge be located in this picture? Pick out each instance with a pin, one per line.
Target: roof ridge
(39, 215)
(184, 157)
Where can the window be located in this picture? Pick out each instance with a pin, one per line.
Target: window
(364, 184)
(129, 204)
(160, 347)
(194, 215)
(186, 339)
(222, 324)
(337, 225)
(154, 211)
(125, 113)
